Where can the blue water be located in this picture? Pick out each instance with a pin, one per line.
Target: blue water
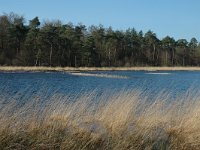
(23, 85)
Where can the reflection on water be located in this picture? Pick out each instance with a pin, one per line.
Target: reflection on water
(24, 85)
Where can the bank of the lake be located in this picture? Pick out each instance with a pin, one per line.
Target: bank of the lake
(74, 69)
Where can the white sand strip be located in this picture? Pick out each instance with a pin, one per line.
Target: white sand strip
(99, 75)
(159, 73)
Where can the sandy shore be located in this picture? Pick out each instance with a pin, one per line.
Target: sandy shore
(77, 69)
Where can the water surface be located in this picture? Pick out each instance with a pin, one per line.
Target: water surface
(24, 84)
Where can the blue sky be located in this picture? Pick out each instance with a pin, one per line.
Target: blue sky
(177, 18)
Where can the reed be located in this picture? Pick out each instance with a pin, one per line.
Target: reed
(125, 120)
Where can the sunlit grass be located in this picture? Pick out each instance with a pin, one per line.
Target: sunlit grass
(125, 120)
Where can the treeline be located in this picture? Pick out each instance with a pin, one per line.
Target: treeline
(53, 43)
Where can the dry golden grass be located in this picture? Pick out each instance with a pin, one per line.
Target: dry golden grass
(120, 121)
(73, 69)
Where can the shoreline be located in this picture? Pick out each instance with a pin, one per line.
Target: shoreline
(82, 69)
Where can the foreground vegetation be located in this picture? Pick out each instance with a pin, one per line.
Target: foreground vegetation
(53, 43)
(120, 121)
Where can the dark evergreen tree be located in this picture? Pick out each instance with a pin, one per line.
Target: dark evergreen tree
(53, 43)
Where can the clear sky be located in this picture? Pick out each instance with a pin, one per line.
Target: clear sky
(177, 18)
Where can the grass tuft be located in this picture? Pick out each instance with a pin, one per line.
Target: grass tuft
(120, 121)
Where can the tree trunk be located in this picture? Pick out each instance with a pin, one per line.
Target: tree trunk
(154, 51)
(69, 58)
(2, 45)
(172, 57)
(166, 58)
(75, 61)
(36, 62)
(50, 56)
(157, 57)
(109, 57)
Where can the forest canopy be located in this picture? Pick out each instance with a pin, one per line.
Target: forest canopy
(53, 43)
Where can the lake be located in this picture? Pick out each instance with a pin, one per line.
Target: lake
(22, 85)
